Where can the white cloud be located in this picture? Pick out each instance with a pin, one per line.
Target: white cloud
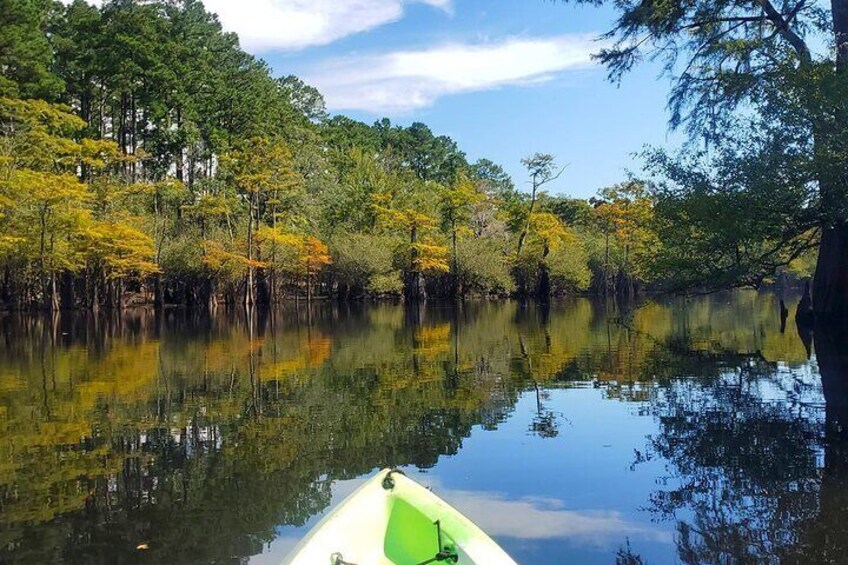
(266, 25)
(406, 80)
(543, 518)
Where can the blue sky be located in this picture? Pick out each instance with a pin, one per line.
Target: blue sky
(504, 78)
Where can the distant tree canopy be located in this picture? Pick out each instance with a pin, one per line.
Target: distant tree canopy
(144, 156)
(765, 86)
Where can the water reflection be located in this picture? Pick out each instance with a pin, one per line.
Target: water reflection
(530, 518)
(193, 438)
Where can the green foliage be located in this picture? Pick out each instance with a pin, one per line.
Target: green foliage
(482, 267)
(364, 264)
(730, 220)
(572, 211)
(493, 180)
(457, 202)
(350, 204)
(764, 85)
(305, 100)
(431, 158)
(25, 52)
(569, 268)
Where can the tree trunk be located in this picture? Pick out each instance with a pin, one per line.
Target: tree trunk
(53, 303)
(839, 15)
(66, 290)
(415, 288)
(42, 250)
(454, 278)
(6, 288)
(249, 293)
(607, 263)
(109, 289)
(212, 294)
(178, 155)
(94, 293)
(543, 283)
(526, 228)
(830, 285)
(133, 137)
(157, 291)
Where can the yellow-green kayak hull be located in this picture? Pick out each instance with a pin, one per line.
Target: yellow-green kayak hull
(392, 519)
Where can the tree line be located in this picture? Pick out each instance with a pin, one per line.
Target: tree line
(145, 157)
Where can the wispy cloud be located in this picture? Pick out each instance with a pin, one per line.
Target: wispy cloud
(401, 81)
(288, 25)
(267, 25)
(543, 518)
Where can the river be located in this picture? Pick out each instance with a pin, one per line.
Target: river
(670, 431)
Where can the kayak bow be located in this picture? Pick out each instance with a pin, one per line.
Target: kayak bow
(392, 520)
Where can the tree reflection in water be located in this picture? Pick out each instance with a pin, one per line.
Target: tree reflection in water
(756, 460)
(196, 437)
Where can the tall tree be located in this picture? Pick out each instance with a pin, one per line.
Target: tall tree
(421, 254)
(542, 170)
(25, 52)
(260, 168)
(456, 205)
(758, 56)
(305, 99)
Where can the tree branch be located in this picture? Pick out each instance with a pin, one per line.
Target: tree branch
(553, 178)
(732, 19)
(782, 25)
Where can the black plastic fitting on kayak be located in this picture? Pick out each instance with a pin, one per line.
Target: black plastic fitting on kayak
(388, 481)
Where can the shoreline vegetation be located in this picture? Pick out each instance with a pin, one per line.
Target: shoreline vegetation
(146, 158)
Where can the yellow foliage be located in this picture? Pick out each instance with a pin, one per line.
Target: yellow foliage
(429, 256)
(315, 254)
(406, 219)
(210, 206)
(122, 249)
(262, 165)
(457, 202)
(548, 230)
(220, 260)
(296, 253)
(276, 237)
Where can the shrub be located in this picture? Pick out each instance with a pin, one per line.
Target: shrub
(362, 264)
(482, 267)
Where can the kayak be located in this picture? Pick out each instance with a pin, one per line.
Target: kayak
(392, 520)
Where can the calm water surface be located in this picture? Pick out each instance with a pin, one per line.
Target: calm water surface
(677, 432)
